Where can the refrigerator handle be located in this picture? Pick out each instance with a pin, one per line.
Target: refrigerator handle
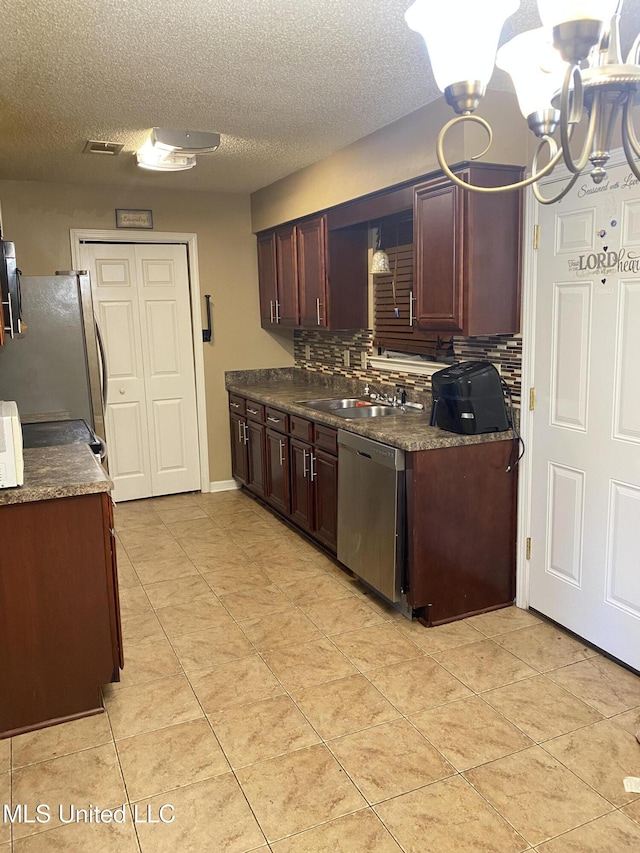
(103, 363)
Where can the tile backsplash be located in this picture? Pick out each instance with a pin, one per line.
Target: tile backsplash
(345, 353)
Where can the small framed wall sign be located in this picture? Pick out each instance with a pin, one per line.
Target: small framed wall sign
(134, 218)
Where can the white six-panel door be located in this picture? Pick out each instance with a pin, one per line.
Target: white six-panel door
(141, 293)
(585, 517)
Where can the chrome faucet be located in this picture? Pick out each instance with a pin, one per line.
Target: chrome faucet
(376, 393)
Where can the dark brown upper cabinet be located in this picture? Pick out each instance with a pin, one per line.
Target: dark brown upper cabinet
(312, 277)
(468, 254)
(267, 277)
(312, 272)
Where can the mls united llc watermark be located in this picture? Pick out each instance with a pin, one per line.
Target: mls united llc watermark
(43, 813)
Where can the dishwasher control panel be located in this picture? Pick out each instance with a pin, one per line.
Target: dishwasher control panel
(382, 453)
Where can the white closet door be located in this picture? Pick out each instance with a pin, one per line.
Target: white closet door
(141, 293)
(167, 352)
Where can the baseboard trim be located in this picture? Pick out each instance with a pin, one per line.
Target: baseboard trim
(224, 485)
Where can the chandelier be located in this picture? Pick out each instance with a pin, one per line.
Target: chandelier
(568, 73)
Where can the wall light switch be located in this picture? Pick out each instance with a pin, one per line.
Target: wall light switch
(307, 352)
(346, 358)
(363, 361)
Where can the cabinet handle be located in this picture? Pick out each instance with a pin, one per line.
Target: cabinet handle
(411, 301)
(313, 471)
(277, 310)
(240, 432)
(273, 420)
(271, 310)
(9, 328)
(281, 444)
(235, 405)
(304, 462)
(318, 317)
(245, 432)
(252, 411)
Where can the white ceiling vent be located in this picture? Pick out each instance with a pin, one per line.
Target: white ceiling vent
(95, 146)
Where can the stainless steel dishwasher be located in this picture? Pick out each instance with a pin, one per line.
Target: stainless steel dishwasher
(371, 512)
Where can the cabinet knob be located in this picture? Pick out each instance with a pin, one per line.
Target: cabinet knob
(122, 391)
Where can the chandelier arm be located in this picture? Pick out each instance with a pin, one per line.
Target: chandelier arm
(558, 196)
(629, 139)
(556, 156)
(633, 57)
(570, 114)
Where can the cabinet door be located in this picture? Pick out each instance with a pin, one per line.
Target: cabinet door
(267, 278)
(276, 484)
(239, 467)
(255, 457)
(453, 575)
(439, 270)
(312, 272)
(287, 276)
(301, 484)
(325, 474)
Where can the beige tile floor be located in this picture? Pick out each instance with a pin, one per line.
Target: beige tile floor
(274, 705)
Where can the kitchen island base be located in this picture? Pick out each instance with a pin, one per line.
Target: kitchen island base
(60, 637)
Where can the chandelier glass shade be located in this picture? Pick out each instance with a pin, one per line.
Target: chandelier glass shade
(380, 259)
(568, 73)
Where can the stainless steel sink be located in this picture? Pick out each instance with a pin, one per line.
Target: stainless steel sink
(368, 411)
(333, 403)
(352, 407)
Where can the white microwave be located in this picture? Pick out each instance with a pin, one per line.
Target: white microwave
(11, 458)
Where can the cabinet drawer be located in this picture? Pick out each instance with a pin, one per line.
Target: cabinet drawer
(301, 428)
(326, 438)
(255, 411)
(237, 404)
(275, 419)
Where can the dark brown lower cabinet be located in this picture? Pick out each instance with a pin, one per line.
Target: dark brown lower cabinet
(314, 492)
(326, 498)
(297, 477)
(461, 529)
(255, 435)
(276, 481)
(239, 458)
(60, 634)
(301, 484)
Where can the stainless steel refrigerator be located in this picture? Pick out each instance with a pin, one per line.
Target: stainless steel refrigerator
(56, 366)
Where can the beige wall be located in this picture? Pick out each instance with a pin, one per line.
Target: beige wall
(37, 217)
(395, 153)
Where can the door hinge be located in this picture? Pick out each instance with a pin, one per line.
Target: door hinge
(536, 236)
(532, 399)
(528, 552)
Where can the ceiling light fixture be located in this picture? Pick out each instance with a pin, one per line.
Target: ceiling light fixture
(585, 74)
(175, 150)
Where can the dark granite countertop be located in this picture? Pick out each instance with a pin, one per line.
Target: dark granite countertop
(58, 472)
(284, 388)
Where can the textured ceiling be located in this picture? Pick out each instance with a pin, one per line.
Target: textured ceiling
(284, 82)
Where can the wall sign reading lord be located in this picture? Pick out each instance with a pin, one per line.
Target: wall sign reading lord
(134, 218)
(622, 261)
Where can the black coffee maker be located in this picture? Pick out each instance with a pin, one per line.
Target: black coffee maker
(468, 399)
